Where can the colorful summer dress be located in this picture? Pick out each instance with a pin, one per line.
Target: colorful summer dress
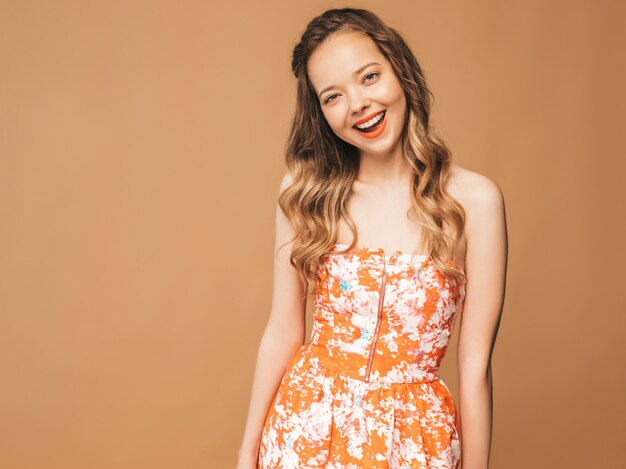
(365, 391)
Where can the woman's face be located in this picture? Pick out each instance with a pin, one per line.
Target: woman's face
(355, 85)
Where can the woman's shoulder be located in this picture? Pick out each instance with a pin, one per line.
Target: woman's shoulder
(286, 181)
(481, 199)
(471, 188)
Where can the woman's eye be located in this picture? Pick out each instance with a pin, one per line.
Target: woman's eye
(370, 74)
(366, 78)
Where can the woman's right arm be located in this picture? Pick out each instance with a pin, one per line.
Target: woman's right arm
(283, 334)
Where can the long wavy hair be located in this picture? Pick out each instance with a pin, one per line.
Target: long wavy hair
(323, 167)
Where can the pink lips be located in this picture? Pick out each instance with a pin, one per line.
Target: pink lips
(373, 134)
(365, 119)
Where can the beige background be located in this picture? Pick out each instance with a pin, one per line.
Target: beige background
(141, 149)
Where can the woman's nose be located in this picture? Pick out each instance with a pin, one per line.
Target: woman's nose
(359, 103)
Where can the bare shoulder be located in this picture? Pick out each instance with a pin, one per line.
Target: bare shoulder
(483, 203)
(474, 191)
(284, 227)
(286, 181)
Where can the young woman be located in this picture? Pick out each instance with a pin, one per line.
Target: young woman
(393, 241)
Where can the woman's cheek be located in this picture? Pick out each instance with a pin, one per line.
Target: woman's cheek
(335, 124)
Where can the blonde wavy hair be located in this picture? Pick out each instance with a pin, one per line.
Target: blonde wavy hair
(323, 166)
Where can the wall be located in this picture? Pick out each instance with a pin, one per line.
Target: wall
(140, 156)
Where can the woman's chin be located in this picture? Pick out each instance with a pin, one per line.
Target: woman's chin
(377, 146)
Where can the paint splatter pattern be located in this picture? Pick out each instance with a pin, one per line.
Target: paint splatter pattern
(365, 391)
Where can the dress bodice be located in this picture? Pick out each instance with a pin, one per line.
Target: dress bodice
(384, 318)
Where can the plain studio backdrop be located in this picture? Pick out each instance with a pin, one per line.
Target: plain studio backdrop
(141, 151)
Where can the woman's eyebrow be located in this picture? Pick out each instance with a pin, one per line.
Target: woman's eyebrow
(356, 72)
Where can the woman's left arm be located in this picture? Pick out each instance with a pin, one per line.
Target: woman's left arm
(485, 267)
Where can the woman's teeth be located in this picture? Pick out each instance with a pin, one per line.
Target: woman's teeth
(371, 122)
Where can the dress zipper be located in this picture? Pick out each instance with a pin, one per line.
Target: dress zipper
(379, 319)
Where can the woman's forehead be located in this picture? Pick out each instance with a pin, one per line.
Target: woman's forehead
(340, 56)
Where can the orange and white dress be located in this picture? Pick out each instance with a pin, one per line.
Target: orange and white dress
(365, 391)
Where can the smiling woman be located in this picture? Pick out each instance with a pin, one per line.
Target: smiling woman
(363, 164)
(345, 60)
